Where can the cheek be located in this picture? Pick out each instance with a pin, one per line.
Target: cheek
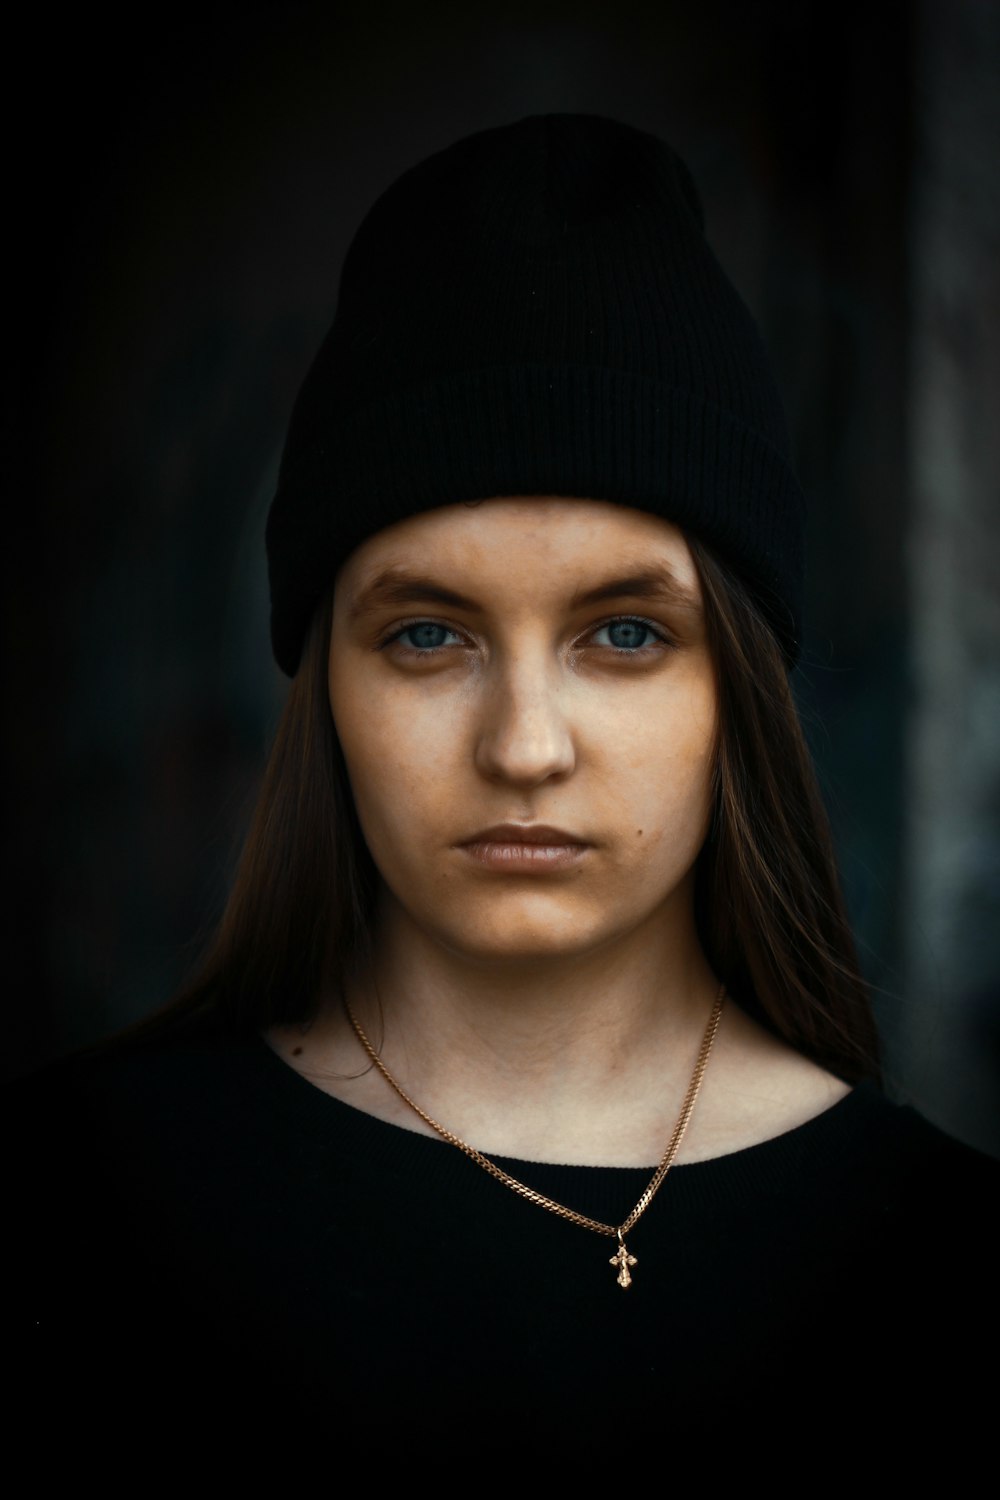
(666, 762)
(396, 758)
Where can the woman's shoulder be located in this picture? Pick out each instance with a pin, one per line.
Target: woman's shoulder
(925, 1162)
(912, 1198)
(864, 1140)
(70, 1100)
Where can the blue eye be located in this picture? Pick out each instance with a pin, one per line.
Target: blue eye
(629, 636)
(424, 635)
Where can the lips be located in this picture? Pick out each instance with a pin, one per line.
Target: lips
(513, 850)
(525, 833)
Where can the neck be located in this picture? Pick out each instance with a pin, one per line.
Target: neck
(582, 1058)
(586, 1059)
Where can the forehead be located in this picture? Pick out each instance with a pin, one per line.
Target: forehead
(545, 539)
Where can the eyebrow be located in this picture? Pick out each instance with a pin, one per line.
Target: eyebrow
(396, 585)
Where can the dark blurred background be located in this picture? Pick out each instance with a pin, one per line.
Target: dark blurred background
(180, 197)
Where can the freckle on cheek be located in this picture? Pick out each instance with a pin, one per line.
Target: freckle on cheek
(638, 833)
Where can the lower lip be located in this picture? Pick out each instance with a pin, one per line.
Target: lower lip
(526, 858)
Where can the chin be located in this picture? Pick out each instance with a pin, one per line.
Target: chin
(528, 938)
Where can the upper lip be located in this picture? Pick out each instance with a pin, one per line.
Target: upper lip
(523, 833)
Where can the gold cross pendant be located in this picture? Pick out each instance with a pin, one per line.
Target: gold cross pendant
(623, 1260)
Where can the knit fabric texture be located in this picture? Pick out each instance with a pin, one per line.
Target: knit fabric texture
(535, 310)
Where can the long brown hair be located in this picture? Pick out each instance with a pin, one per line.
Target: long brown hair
(768, 904)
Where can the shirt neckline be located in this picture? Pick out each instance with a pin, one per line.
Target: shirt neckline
(328, 1117)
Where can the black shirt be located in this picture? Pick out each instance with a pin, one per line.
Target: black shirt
(202, 1236)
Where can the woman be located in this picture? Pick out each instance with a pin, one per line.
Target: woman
(530, 1076)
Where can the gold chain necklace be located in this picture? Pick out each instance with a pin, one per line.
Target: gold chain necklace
(621, 1258)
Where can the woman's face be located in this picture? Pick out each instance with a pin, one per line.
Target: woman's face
(533, 662)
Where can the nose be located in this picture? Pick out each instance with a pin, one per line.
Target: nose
(523, 735)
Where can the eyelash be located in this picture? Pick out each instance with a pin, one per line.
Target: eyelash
(662, 639)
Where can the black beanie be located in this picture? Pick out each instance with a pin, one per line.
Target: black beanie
(535, 311)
